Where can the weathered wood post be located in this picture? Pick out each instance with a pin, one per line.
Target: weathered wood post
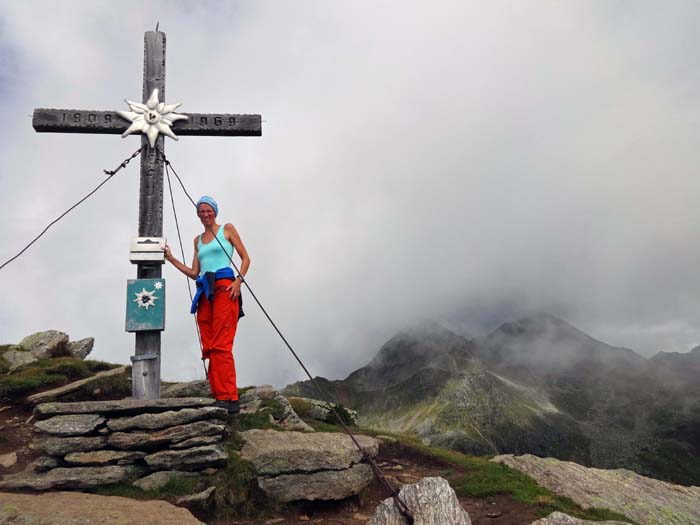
(145, 371)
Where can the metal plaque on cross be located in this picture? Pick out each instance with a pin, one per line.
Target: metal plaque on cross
(145, 305)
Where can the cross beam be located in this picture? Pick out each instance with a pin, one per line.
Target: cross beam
(108, 122)
(146, 361)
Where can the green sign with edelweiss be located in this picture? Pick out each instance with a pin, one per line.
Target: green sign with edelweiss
(145, 305)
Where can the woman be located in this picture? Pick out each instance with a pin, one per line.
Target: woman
(218, 299)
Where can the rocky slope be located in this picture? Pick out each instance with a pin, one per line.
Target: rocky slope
(539, 386)
(646, 501)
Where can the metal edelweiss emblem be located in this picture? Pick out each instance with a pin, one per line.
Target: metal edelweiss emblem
(152, 118)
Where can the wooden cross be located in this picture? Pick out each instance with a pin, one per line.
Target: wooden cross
(146, 376)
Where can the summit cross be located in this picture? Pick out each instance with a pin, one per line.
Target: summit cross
(146, 361)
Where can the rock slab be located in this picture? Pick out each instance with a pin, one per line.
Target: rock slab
(324, 485)
(65, 478)
(127, 406)
(274, 453)
(166, 419)
(68, 508)
(431, 501)
(196, 458)
(148, 440)
(559, 518)
(48, 395)
(644, 500)
(57, 446)
(73, 425)
(103, 457)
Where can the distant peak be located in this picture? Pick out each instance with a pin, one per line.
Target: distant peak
(427, 327)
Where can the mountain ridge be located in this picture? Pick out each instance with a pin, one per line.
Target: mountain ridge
(536, 385)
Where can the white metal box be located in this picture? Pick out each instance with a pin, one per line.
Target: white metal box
(147, 249)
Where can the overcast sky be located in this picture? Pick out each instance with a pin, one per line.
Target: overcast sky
(469, 162)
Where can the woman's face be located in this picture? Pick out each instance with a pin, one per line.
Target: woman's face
(206, 214)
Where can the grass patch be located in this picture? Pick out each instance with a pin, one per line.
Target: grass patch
(477, 477)
(175, 487)
(272, 406)
(48, 373)
(342, 415)
(237, 493)
(301, 406)
(322, 426)
(243, 422)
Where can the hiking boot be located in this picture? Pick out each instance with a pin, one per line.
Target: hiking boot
(231, 406)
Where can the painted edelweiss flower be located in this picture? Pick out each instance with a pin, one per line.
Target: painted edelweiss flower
(145, 299)
(151, 118)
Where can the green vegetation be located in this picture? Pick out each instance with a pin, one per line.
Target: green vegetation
(4, 365)
(175, 487)
(301, 406)
(237, 493)
(671, 461)
(341, 412)
(47, 373)
(272, 406)
(477, 477)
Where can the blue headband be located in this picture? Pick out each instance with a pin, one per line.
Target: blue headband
(211, 202)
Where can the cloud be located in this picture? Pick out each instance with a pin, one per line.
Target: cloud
(462, 161)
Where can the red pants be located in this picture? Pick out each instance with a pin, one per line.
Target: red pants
(217, 328)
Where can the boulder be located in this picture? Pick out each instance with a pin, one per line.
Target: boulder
(41, 345)
(188, 459)
(431, 501)
(159, 479)
(263, 392)
(43, 463)
(324, 485)
(103, 457)
(150, 440)
(166, 419)
(559, 518)
(644, 500)
(8, 460)
(253, 399)
(73, 425)
(64, 508)
(81, 349)
(289, 420)
(201, 499)
(190, 389)
(320, 410)
(18, 357)
(55, 446)
(65, 478)
(273, 453)
(123, 407)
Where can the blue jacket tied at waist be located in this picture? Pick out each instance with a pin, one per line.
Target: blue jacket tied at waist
(206, 285)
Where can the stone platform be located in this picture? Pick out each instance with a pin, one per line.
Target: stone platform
(94, 443)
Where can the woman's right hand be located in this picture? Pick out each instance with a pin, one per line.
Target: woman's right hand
(168, 254)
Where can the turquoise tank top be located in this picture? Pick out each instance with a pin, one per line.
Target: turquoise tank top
(211, 256)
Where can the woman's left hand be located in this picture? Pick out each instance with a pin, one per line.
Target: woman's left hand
(234, 289)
